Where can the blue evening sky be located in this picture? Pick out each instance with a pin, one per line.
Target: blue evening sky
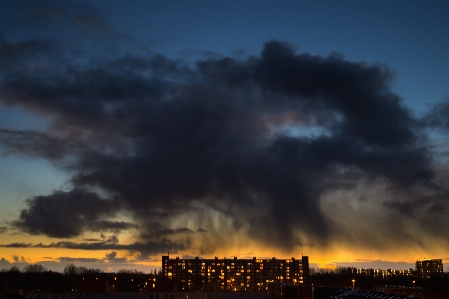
(410, 37)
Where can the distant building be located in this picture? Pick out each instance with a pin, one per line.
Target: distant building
(217, 275)
(427, 268)
(384, 273)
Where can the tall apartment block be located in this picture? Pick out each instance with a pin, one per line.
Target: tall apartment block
(427, 268)
(234, 274)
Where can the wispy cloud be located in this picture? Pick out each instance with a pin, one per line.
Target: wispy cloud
(149, 248)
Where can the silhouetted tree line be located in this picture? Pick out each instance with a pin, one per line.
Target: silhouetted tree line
(32, 277)
(37, 279)
(71, 269)
(343, 276)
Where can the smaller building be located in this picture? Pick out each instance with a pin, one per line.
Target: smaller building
(427, 268)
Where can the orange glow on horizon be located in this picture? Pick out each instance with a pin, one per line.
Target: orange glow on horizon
(328, 257)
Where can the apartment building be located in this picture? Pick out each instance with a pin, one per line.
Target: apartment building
(427, 268)
(235, 274)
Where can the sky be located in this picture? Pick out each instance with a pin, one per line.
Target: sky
(134, 129)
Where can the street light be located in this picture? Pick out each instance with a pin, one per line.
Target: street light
(353, 281)
(414, 284)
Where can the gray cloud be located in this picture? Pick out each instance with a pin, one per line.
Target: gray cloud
(112, 258)
(68, 214)
(438, 116)
(20, 259)
(4, 262)
(66, 259)
(147, 249)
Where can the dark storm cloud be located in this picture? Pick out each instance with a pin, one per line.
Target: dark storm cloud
(68, 214)
(231, 134)
(358, 92)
